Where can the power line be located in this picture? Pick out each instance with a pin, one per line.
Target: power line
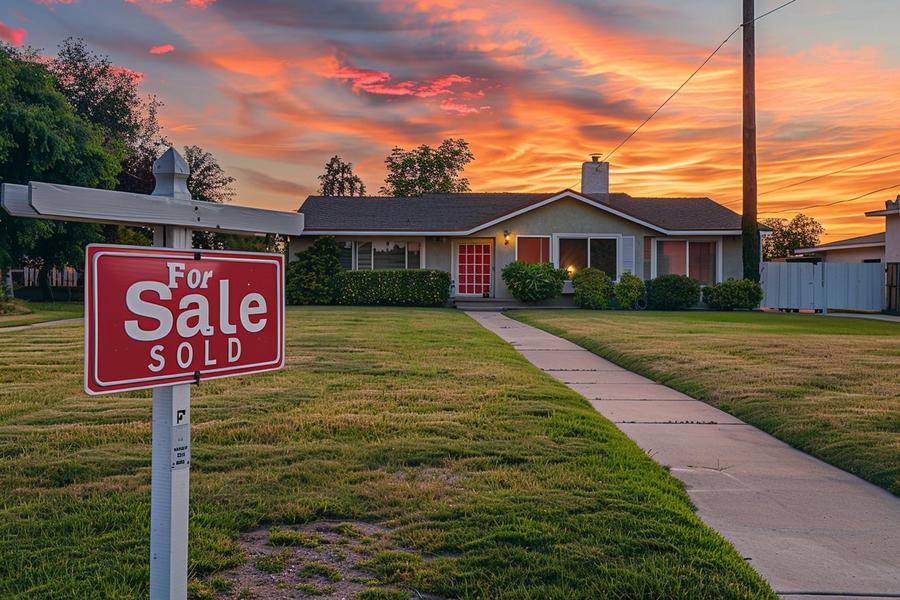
(890, 187)
(686, 81)
(868, 162)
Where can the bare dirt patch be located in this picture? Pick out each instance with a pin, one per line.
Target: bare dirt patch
(316, 560)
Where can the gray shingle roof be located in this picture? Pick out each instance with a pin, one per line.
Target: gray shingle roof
(462, 212)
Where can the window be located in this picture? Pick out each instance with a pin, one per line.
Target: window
(648, 253)
(702, 261)
(389, 255)
(363, 255)
(696, 259)
(413, 255)
(533, 249)
(671, 258)
(604, 256)
(346, 254)
(576, 254)
(573, 254)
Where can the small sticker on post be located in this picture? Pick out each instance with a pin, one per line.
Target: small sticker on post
(181, 447)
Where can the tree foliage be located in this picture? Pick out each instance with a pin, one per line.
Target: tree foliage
(311, 279)
(787, 236)
(339, 180)
(426, 169)
(42, 138)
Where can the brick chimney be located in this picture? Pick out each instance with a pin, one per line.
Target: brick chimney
(595, 176)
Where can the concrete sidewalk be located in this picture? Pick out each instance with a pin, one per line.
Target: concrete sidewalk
(810, 529)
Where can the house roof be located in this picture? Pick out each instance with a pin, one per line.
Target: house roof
(862, 241)
(468, 212)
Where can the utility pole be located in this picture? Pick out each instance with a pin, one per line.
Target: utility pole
(749, 218)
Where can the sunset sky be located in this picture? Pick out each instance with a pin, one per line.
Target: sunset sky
(273, 88)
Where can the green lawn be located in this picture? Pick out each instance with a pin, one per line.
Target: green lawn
(28, 313)
(827, 385)
(501, 481)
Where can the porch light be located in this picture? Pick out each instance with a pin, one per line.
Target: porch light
(506, 237)
(570, 270)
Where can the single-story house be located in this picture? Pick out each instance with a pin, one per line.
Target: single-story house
(474, 235)
(863, 248)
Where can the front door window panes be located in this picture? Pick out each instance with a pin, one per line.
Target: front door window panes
(604, 257)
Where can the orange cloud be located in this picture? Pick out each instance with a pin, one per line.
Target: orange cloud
(162, 49)
(13, 35)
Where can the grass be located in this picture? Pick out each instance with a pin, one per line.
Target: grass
(29, 313)
(288, 537)
(826, 385)
(503, 483)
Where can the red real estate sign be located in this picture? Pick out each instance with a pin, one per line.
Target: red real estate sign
(155, 316)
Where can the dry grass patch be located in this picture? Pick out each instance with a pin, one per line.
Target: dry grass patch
(827, 385)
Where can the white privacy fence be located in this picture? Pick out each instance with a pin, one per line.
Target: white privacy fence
(823, 286)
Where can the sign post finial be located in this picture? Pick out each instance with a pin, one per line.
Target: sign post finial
(171, 172)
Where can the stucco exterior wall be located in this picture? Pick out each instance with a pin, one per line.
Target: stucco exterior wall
(853, 255)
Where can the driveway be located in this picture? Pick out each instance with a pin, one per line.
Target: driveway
(812, 530)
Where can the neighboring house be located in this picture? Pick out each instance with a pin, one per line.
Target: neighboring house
(474, 235)
(864, 248)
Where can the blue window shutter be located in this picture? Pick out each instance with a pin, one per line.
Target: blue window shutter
(628, 254)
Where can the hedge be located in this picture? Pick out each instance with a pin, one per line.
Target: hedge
(628, 291)
(732, 294)
(593, 289)
(533, 282)
(402, 287)
(311, 278)
(672, 292)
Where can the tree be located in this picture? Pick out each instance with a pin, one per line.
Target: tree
(42, 138)
(208, 181)
(339, 180)
(426, 169)
(787, 236)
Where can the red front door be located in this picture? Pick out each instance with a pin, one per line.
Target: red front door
(474, 269)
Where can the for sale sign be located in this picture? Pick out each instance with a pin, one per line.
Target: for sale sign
(155, 316)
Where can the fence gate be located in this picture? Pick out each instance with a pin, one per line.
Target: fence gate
(823, 286)
(893, 288)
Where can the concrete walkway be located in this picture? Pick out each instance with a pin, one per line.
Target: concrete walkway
(41, 324)
(810, 529)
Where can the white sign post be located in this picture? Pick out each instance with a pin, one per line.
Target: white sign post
(173, 214)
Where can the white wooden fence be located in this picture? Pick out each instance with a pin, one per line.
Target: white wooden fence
(823, 286)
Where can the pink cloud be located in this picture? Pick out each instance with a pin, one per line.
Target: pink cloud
(50, 2)
(379, 82)
(199, 3)
(451, 105)
(162, 49)
(13, 35)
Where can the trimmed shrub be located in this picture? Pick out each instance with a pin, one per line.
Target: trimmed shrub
(533, 282)
(628, 291)
(402, 287)
(311, 279)
(593, 289)
(732, 294)
(672, 292)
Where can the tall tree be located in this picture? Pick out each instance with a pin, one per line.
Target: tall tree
(426, 169)
(788, 236)
(749, 216)
(339, 180)
(43, 138)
